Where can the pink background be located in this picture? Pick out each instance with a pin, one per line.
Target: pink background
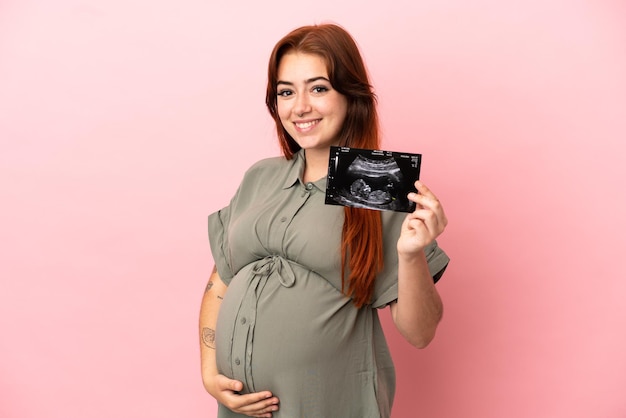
(123, 123)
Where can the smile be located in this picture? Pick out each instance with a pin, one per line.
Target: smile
(306, 125)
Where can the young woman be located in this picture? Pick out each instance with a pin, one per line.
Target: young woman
(297, 283)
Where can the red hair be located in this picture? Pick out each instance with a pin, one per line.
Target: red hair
(361, 243)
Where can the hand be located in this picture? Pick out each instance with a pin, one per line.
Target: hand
(426, 223)
(259, 404)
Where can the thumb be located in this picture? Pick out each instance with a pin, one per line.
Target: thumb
(226, 383)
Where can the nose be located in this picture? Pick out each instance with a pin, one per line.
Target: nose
(301, 105)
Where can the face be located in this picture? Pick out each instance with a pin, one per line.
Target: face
(311, 111)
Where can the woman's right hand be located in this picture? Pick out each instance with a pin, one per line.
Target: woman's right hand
(226, 392)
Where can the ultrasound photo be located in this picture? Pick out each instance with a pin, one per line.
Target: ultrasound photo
(372, 179)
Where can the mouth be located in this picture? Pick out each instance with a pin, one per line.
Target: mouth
(306, 125)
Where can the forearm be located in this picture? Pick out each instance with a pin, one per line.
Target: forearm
(419, 308)
(226, 391)
(209, 309)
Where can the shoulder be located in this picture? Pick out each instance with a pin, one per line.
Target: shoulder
(266, 164)
(270, 171)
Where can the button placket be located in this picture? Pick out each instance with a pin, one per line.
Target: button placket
(243, 333)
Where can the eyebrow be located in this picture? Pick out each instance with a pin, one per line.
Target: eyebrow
(309, 81)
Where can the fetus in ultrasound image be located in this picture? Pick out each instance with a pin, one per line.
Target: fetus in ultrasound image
(372, 179)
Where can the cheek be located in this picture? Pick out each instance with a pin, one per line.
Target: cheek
(338, 107)
(284, 112)
(283, 109)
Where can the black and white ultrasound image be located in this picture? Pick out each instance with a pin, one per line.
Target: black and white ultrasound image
(372, 179)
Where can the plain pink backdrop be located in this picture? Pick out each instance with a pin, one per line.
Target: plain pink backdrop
(124, 123)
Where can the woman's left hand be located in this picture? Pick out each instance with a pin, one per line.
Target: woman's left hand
(425, 224)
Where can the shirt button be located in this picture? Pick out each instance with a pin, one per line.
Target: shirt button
(309, 186)
(237, 362)
(243, 321)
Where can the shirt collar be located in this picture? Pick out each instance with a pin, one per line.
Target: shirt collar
(296, 169)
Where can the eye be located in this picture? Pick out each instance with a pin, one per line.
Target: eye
(319, 89)
(284, 93)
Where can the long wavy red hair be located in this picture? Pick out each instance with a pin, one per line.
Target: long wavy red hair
(362, 242)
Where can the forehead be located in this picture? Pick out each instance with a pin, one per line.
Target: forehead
(299, 66)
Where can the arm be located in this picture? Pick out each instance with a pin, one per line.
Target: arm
(223, 389)
(418, 310)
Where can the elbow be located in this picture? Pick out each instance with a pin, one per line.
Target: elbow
(422, 340)
(420, 337)
(419, 332)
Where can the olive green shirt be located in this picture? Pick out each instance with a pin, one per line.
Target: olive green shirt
(284, 324)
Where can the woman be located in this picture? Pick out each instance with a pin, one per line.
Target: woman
(297, 283)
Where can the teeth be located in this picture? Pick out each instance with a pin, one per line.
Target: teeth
(306, 124)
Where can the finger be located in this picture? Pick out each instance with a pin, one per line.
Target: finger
(259, 410)
(422, 189)
(245, 401)
(265, 411)
(224, 383)
(426, 228)
(429, 201)
(428, 217)
(257, 402)
(417, 227)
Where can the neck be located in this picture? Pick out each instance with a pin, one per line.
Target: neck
(316, 165)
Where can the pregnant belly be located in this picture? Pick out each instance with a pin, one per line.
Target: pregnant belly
(274, 332)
